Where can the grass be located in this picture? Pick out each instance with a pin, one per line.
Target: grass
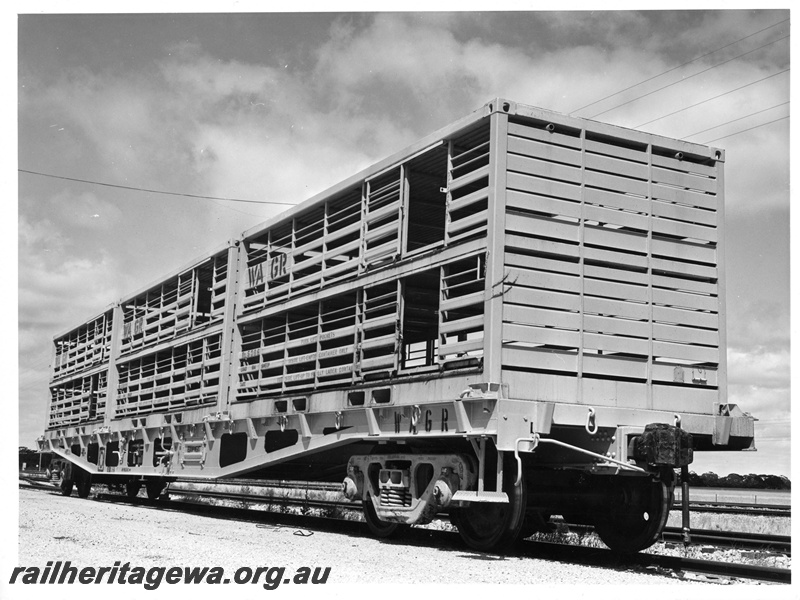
(768, 525)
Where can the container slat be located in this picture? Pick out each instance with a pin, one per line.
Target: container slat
(543, 187)
(548, 152)
(543, 169)
(542, 204)
(541, 335)
(617, 166)
(614, 366)
(514, 313)
(537, 359)
(685, 180)
(542, 135)
(542, 227)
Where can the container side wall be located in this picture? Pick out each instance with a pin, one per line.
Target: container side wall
(171, 353)
(377, 282)
(611, 254)
(79, 376)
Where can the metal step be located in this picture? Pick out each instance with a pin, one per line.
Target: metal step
(469, 496)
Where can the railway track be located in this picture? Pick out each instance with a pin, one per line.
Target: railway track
(275, 500)
(779, 544)
(738, 509)
(716, 538)
(196, 501)
(732, 539)
(704, 506)
(675, 564)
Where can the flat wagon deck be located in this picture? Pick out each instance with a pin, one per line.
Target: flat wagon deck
(521, 315)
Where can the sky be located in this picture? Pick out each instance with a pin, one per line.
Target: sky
(276, 107)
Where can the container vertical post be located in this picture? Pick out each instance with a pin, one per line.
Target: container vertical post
(231, 339)
(722, 369)
(495, 237)
(113, 373)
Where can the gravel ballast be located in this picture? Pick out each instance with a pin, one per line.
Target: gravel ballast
(93, 533)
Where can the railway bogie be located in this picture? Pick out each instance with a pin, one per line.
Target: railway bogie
(521, 315)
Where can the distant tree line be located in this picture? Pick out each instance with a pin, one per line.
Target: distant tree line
(30, 460)
(734, 480)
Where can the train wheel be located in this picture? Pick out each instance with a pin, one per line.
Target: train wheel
(380, 529)
(646, 508)
(132, 487)
(154, 488)
(83, 481)
(493, 526)
(66, 486)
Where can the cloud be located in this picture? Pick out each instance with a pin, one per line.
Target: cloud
(210, 81)
(378, 83)
(772, 456)
(760, 367)
(56, 287)
(86, 211)
(758, 325)
(424, 73)
(759, 381)
(763, 402)
(113, 114)
(260, 133)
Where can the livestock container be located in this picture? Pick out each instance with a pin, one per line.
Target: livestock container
(520, 316)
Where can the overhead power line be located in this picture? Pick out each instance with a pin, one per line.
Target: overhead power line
(678, 67)
(744, 130)
(688, 77)
(758, 112)
(712, 98)
(138, 189)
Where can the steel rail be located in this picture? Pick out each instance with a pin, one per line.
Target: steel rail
(731, 539)
(727, 539)
(709, 567)
(279, 500)
(606, 558)
(699, 507)
(269, 500)
(265, 483)
(37, 484)
(545, 550)
(706, 502)
(739, 509)
(255, 483)
(315, 486)
(696, 506)
(718, 538)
